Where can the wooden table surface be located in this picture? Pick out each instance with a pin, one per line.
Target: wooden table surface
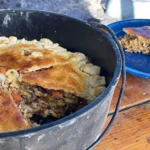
(131, 130)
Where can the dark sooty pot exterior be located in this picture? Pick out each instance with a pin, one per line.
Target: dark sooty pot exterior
(81, 129)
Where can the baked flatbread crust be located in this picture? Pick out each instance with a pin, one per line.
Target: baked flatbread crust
(143, 32)
(65, 70)
(11, 118)
(44, 64)
(28, 57)
(68, 78)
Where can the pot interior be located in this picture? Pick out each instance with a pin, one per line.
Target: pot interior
(71, 34)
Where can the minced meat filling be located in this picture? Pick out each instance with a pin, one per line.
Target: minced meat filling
(36, 100)
(135, 44)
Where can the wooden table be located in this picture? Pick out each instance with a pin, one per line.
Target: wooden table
(131, 130)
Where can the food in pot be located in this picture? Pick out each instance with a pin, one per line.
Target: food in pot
(11, 117)
(137, 40)
(42, 78)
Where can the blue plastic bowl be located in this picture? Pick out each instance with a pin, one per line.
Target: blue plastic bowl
(136, 63)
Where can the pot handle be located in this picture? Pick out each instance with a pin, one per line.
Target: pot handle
(98, 26)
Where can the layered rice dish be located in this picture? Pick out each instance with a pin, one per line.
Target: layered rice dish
(42, 78)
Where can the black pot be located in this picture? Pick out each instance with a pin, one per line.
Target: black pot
(79, 130)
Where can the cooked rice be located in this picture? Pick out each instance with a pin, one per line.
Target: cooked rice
(135, 44)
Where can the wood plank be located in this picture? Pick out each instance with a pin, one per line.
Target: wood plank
(137, 90)
(131, 130)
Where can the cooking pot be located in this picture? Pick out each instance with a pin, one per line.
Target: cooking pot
(80, 130)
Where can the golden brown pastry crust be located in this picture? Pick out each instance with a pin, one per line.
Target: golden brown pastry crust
(14, 57)
(47, 65)
(66, 71)
(11, 118)
(67, 77)
(143, 32)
